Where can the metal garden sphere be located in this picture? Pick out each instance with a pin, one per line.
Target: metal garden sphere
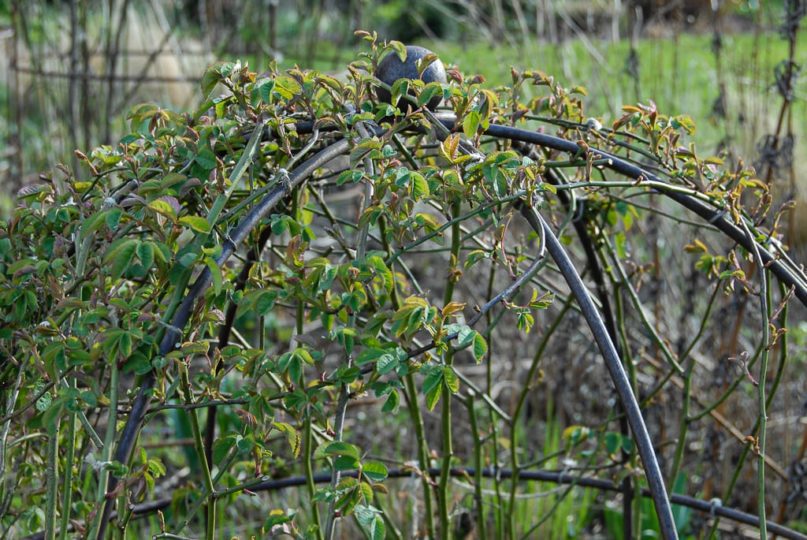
(390, 69)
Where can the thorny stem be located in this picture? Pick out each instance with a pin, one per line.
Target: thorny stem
(309, 470)
(686, 397)
(52, 475)
(780, 370)
(224, 336)
(67, 484)
(764, 310)
(309, 439)
(344, 391)
(85, 423)
(708, 409)
(448, 444)
(422, 448)
(601, 336)
(414, 410)
(783, 357)
(109, 441)
(480, 506)
(630, 489)
(494, 439)
(187, 392)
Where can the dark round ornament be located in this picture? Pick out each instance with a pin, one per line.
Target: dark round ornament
(390, 69)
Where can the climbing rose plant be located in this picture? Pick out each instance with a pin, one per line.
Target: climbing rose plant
(319, 248)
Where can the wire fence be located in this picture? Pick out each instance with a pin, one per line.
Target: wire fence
(69, 77)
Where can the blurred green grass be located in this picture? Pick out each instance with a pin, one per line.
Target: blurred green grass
(679, 75)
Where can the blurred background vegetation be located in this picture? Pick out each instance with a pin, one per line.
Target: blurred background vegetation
(71, 69)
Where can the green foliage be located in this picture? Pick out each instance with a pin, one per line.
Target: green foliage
(95, 262)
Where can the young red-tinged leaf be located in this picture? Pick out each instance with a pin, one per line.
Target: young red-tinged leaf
(197, 223)
(491, 99)
(470, 124)
(424, 63)
(420, 187)
(293, 436)
(480, 347)
(399, 48)
(452, 308)
(330, 82)
(451, 380)
(413, 302)
(696, 247)
(399, 88)
(450, 146)
(166, 206)
(287, 87)
(432, 397)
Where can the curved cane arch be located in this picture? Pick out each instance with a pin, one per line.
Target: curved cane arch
(785, 272)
